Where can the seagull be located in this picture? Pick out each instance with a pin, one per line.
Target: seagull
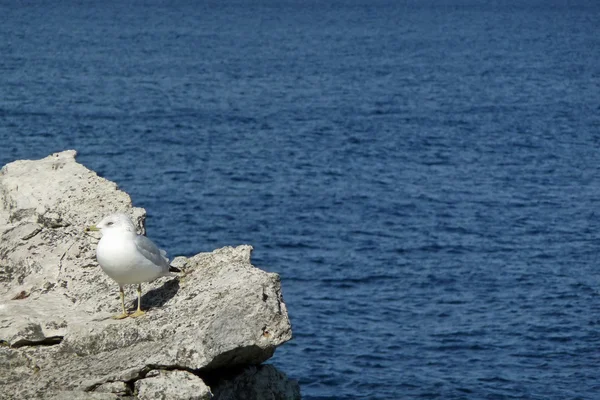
(129, 258)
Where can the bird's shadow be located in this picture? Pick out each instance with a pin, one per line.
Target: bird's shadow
(160, 296)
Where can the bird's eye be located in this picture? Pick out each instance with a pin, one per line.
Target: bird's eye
(109, 223)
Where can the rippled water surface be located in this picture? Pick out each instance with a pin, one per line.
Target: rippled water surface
(423, 175)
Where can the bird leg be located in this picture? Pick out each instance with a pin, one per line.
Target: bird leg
(124, 315)
(139, 311)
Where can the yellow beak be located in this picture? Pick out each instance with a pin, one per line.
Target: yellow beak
(92, 228)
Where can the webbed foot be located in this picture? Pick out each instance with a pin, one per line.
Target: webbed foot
(138, 313)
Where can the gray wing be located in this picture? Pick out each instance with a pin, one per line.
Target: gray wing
(151, 252)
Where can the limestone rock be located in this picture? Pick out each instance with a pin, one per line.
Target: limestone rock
(56, 303)
(119, 388)
(175, 385)
(74, 395)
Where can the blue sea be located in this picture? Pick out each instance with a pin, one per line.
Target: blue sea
(424, 175)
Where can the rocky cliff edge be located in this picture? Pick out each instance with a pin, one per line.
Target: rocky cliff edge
(205, 333)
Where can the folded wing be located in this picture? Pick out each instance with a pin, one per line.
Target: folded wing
(151, 252)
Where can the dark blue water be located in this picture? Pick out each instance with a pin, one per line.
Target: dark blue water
(424, 176)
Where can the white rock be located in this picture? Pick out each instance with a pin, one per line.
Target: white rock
(172, 385)
(56, 303)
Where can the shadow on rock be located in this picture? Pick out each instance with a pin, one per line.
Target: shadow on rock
(252, 382)
(160, 296)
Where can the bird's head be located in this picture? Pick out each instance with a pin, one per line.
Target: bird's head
(113, 223)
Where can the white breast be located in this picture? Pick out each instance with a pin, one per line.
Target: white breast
(119, 259)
